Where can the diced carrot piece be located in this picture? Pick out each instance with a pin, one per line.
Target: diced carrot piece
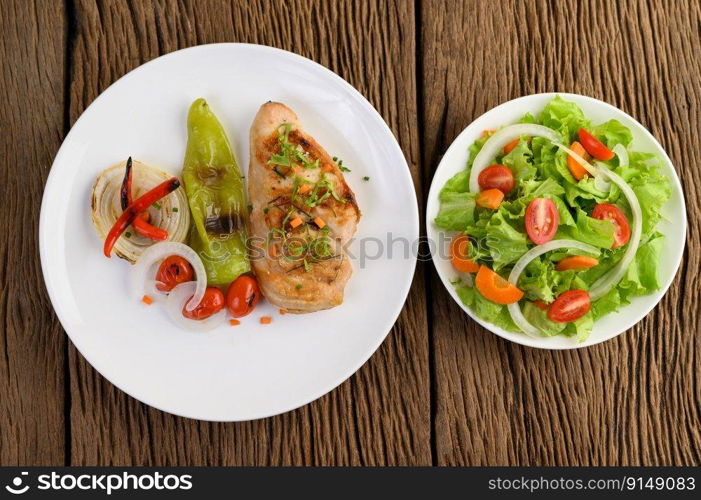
(266, 320)
(510, 146)
(576, 169)
(282, 311)
(576, 263)
(459, 255)
(319, 222)
(490, 198)
(304, 189)
(495, 288)
(234, 322)
(295, 222)
(147, 300)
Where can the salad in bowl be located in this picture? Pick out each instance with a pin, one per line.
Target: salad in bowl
(553, 222)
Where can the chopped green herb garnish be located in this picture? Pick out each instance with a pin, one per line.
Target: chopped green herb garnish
(341, 167)
(282, 160)
(366, 178)
(175, 209)
(266, 210)
(335, 158)
(127, 234)
(298, 286)
(290, 154)
(156, 205)
(250, 208)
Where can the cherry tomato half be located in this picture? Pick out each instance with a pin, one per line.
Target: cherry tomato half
(496, 177)
(212, 303)
(594, 147)
(569, 306)
(173, 271)
(460, 255)
(242, 296)
(606, 211)
(542, 220)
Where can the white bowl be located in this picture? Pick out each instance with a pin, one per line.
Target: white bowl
(611, 325)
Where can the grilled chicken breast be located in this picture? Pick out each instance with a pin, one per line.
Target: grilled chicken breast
(303, 213)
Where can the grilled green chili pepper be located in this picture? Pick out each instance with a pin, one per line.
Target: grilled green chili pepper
(215, 192)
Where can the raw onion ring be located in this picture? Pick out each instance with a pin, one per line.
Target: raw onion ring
(514, 309)
(501, 138)
(141, 272)
(602, 286)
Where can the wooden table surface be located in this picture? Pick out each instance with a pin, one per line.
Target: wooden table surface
(441, 390)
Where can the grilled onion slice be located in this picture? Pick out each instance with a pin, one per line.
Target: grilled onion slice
(172, 213)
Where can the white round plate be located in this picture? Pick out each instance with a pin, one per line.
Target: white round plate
(673, 225)
(252, 370)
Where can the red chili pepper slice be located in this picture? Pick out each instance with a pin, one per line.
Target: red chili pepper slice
(141, 224)
(125, 192)
(133, 211)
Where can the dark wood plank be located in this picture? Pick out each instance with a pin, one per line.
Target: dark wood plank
(379, 416)
(635, 399)
(32, 346)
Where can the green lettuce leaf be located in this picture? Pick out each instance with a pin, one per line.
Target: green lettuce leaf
(489, 311)
(520, 161)
(505, 243)
(564, 117)
(598, 233)
(539, 319)
(457, 210)
(606, 304)
(612, 133)
(580, 328)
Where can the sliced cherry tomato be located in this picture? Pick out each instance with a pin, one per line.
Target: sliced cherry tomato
(212, 303)
(570, 306)
(496, 177)
(576, 263)
(459, 255)
(576, 168)
(510, 146)
(606, 211)
(242, 296)
(173, 271)
(491, 198)
(495, 288)
(542, 305)
(542, 220)
(594, 147)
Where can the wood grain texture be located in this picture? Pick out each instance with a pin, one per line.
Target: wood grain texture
(32, 344)
(635, 399)
(441, 389)
(382, 414)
